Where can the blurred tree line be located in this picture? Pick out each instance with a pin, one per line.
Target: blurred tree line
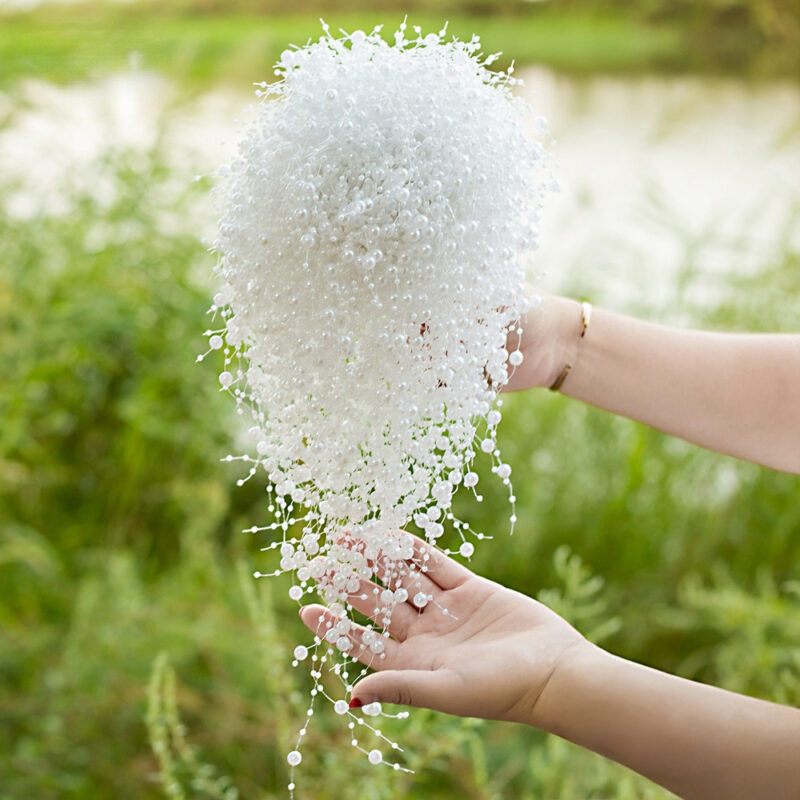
(210, 40)
(771, 19)
(725, 30)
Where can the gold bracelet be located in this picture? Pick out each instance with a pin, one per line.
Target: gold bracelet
(586, 316)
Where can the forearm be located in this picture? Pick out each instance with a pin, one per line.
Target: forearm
(695, 740)
(734, 393)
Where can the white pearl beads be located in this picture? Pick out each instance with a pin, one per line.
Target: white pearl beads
(340, 707)
(301, 652)
(372, 709)
(375, 227)
(295, 592)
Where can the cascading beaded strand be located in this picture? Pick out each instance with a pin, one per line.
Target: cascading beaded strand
(376, 223)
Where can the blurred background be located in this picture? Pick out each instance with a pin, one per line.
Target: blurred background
(138, 658)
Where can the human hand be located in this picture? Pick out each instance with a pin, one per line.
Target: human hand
(490, 654)
(549, 336)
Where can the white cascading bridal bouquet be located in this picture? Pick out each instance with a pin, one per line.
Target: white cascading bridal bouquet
(376, 222)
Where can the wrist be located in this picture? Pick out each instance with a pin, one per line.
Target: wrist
(566, 326)
(553, 710)
(550, 340)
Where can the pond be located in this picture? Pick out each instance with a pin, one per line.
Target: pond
(663, 172)
(655, 172)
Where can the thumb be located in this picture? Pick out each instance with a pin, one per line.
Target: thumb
(434, 689)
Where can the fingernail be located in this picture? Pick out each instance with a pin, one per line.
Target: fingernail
(355, 703)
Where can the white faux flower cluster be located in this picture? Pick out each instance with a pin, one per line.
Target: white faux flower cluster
(376, 221)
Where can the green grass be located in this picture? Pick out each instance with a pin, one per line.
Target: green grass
(72, 44)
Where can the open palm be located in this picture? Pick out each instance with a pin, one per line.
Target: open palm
(474, 649)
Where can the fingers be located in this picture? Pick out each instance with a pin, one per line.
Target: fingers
(363, 644)
(378, 603)
(414, 573)
(423, 559)
(438, 689)
(442, 570)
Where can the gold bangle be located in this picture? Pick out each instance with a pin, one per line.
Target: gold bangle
(586, 317)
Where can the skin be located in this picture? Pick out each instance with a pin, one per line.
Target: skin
(450, 661)
(737, 394)
(733, 393)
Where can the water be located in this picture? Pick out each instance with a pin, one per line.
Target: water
(655, 171)
(660, 172)
(57, 135)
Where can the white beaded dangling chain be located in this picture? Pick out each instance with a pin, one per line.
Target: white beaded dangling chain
(376, 222)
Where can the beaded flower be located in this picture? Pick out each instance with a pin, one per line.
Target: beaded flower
(376, 222)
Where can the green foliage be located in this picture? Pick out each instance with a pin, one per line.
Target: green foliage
(748, 638)
(120, 542)
(107, 421)
(558, 770)
(168, 741)
(742, 22)
(580, 600)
